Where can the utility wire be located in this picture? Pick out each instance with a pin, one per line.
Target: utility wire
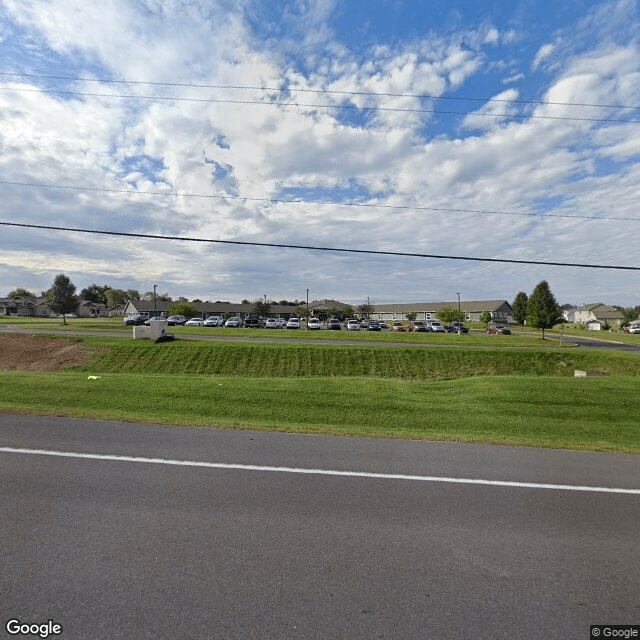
(323, 203)
(316, 248)
(288, 88)
(351, 107)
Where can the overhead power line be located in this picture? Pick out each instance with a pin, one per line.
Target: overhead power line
(344, 107)
(317, 248)
(288, 88)
(366, 205)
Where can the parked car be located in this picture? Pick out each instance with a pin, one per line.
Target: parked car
(293, 323)
(436, 327)
(634, 327)
(382, 324)
(418, 325)
(314, 323)
(498, 329)
(454, 327)
(353, 325)
(214, 321)
(281, 323)
(134, 320)
(334, 324)
(148, 320)
(176, 320)
(233, 322)
(253, 322)
(271, 323)
(374, 326)
(399, 327)
(194, 322)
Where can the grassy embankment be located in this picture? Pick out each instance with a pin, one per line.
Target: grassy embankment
(522, 396)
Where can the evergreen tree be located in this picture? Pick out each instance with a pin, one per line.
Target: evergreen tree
(520, 308)
(542, 308)
(61, 297)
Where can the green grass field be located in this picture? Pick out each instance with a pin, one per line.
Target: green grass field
(477, 337)
(526, 396)
(596, 414)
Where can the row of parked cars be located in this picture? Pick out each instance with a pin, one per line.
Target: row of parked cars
(333, 324)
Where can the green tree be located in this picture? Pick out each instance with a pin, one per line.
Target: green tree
(23, 293)
(447, 315)
(485, 317)
(542, 308)
(346, 312)
(261, 307)
(182, 309)
(95, 293)
(61, 297)
(520, 308)
(115, 297)
(411, 316)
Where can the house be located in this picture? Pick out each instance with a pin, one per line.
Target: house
(88, 309)
(500, 310)
(29, 306)
(597, 315)
(568, 312)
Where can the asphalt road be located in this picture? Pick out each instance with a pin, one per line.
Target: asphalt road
(136, 543)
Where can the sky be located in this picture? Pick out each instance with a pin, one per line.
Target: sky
(493, 130)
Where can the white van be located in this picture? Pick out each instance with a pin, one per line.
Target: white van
(634, 327)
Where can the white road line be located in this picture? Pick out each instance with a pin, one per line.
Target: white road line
(320, 472)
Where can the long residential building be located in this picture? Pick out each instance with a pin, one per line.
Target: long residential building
(500, 310)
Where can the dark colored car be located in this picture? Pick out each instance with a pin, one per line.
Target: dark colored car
(134, 320)
(172, 321)
(334, 324)
(500, 329)
(374, 326)
(455, 326)
(253, 322)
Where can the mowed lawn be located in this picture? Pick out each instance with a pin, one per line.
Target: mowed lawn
(526, 397)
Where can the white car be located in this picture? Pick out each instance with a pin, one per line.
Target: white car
(293, 323)
(271, 323)
(233, 322)
(353, 325)
(281, 323)
(314, 323)
(214, 321)
(194, 322)
(436, 327)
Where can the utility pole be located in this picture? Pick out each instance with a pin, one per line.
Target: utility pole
(155, 304)
(459, 314)
(307, 325)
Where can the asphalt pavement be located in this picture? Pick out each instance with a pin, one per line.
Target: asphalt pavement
(115, 530)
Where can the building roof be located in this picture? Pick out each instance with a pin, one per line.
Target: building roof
(162, 306)
(468, 306)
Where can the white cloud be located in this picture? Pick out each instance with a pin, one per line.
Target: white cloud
(544, 52)
(493, 112)
(390, 153)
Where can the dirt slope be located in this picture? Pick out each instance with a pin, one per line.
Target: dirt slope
(39, 353)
